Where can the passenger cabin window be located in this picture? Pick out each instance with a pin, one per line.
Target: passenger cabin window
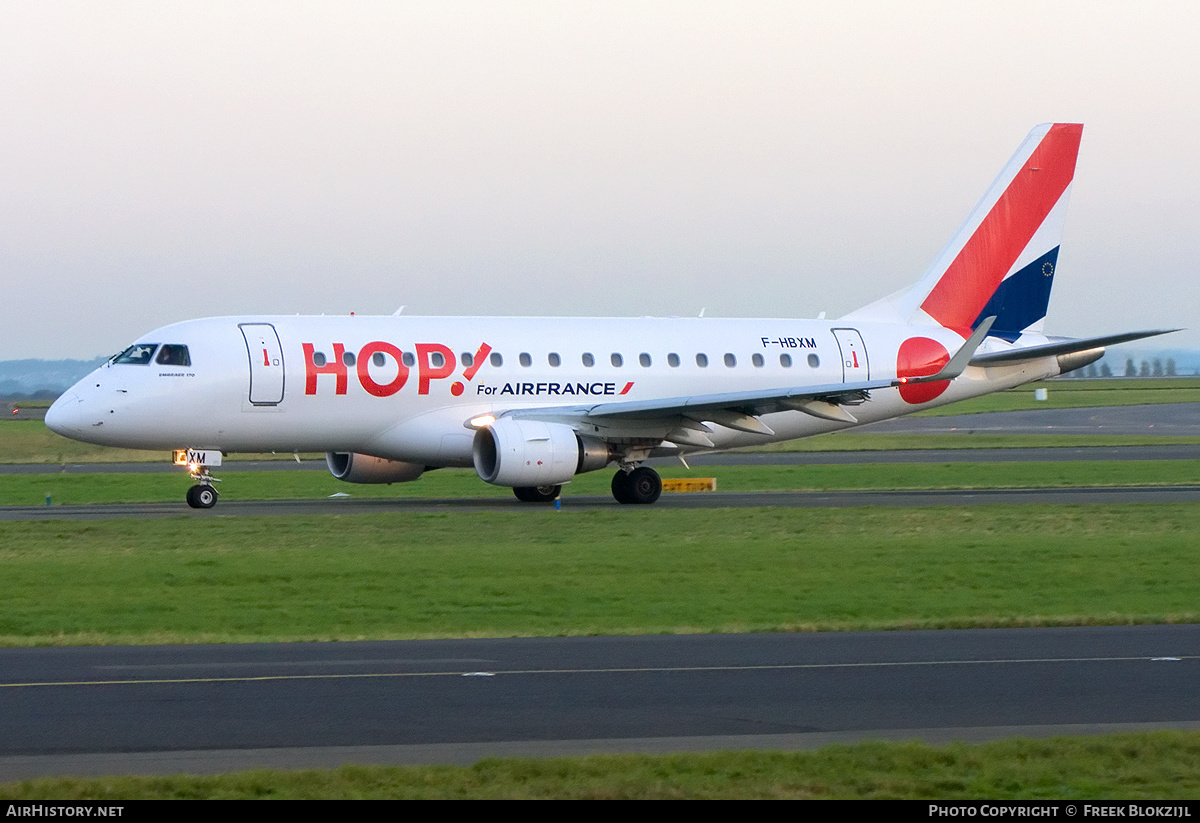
(136, 355)
(814, 361)
(673, 360)
(347, 358)
(408, 359)
(173, 355)
(496, 360)
(785, 360)
(702, 361)
(730, 360)
(466, 358)
(644, 359)
(588, 360)
(378, 359)
(757, 360)
(616, 360)
(525, 359)
(553, 359)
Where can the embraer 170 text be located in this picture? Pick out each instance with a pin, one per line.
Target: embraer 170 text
(532, 402)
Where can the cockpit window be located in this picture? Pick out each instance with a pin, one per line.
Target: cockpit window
(173, 354)
(138, 354)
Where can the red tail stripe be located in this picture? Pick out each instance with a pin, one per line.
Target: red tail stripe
(988, 255)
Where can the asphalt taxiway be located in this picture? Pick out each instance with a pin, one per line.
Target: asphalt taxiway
(206, 709)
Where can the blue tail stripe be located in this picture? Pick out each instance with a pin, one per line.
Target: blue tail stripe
(1021, 300)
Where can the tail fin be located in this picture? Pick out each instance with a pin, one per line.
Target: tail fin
(1001, 260)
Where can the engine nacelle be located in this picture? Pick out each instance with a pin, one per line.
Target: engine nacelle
(513, 452)
(365, 468)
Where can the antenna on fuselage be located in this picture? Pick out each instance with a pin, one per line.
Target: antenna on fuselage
(398, 312)
(703, 310)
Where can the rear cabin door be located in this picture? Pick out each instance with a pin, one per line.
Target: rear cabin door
(854, 355)
(266, 363)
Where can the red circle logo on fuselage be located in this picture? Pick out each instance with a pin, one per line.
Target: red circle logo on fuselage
(921, 357)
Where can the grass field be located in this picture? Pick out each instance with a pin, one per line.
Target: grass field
(620, 571)
(78, 489)
(1155, 766)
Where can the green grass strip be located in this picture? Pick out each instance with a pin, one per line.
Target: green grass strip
(78, 489)
(537, 572)
(1150, 766)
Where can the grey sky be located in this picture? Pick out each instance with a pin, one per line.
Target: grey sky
(160, 161)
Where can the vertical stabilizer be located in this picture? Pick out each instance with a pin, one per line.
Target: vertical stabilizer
(1001, 261)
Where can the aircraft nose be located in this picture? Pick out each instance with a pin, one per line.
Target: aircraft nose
(65, 415)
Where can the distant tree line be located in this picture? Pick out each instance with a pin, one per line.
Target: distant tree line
(1146, 368)
(1150, 368)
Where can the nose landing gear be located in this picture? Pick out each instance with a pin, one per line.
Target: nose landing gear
(203, 495)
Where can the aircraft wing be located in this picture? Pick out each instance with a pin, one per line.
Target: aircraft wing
(826, 401)
(1061, 346)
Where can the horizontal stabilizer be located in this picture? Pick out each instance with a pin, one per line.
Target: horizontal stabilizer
(1058, 347)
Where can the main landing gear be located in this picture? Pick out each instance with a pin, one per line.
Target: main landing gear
(641, 485)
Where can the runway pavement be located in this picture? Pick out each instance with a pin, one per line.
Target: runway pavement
(205, 709)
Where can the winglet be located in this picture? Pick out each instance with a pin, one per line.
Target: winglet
(958, 363)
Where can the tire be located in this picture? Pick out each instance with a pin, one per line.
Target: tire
(202, 496)
(537, 494)
(620, 487)
(644, 485)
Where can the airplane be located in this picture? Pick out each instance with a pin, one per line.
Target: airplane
(531, 402)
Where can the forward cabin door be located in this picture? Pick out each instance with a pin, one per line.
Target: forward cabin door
(266, 363)
(854, 355)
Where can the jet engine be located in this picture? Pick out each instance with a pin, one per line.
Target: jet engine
(365, 468)
(531, 453)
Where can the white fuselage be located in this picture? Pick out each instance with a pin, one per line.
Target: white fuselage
(403, 388)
